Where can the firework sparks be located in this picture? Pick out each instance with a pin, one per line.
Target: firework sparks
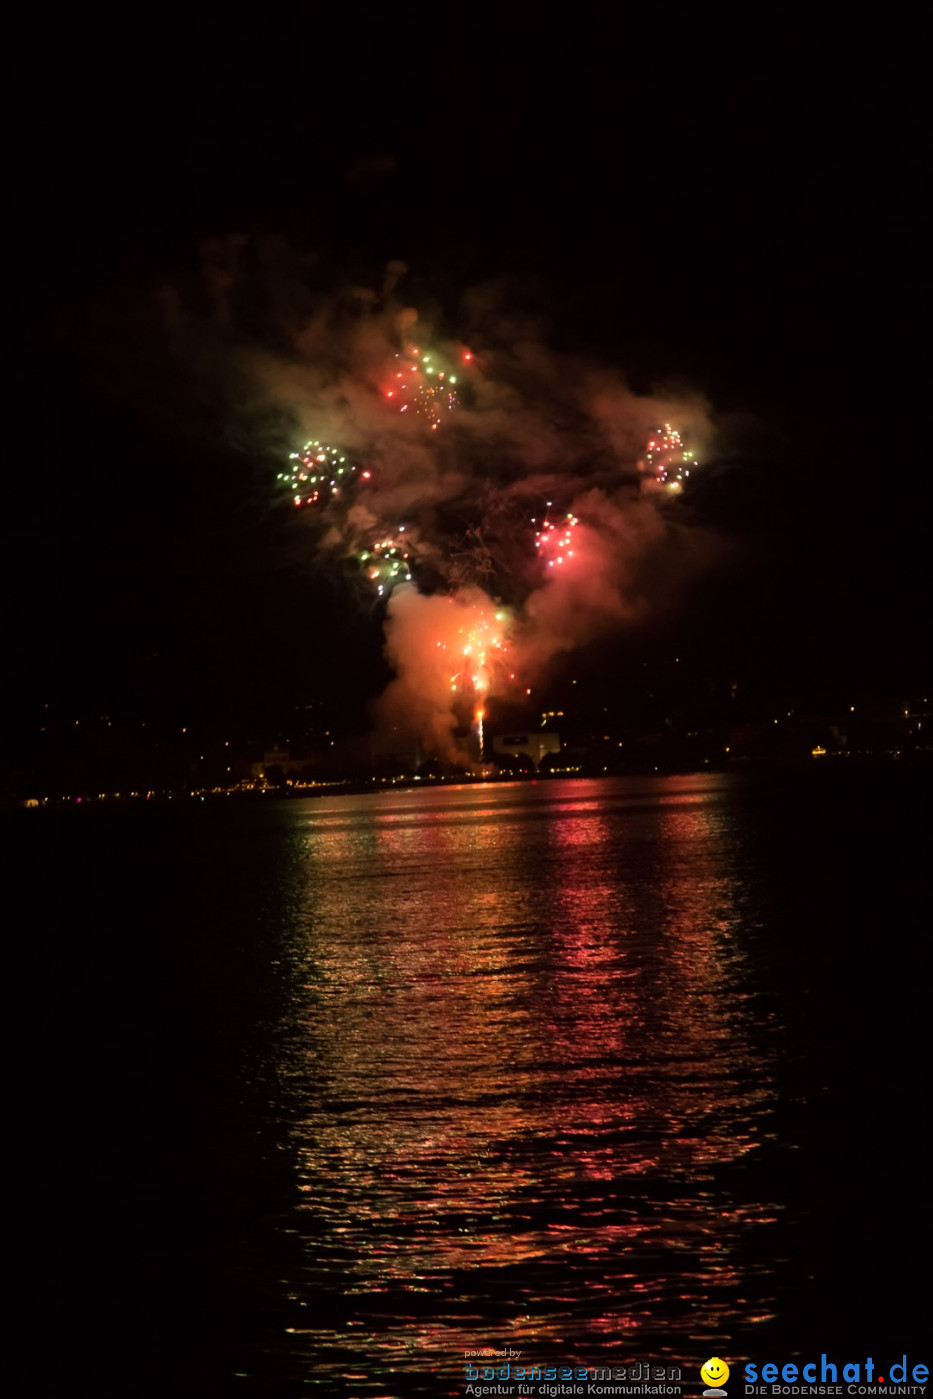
(666, 463)
(555, 543)
(452, 654)
(326, 475)
(319, 472)
(483, 654)
(423, 383)
(386, 563)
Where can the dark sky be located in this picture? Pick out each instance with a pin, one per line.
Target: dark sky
(738, 208)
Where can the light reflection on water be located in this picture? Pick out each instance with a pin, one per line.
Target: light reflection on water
(525, 1065)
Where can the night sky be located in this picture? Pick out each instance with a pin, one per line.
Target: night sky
(736, 211)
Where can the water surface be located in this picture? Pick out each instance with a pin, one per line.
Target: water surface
(603, 1071)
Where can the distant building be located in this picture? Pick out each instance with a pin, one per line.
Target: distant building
(280, 761)
(531, 745)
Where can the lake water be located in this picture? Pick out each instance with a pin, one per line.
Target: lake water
(322, 1094)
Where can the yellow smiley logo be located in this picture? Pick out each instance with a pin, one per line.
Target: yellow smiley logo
(714, 1373)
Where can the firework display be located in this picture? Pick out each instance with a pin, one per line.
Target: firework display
(320, 472)
(386, 563)
(326, 476)
(476, 590)
(480, 652)
(422, 383)
(666, 464)
(555, 542)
